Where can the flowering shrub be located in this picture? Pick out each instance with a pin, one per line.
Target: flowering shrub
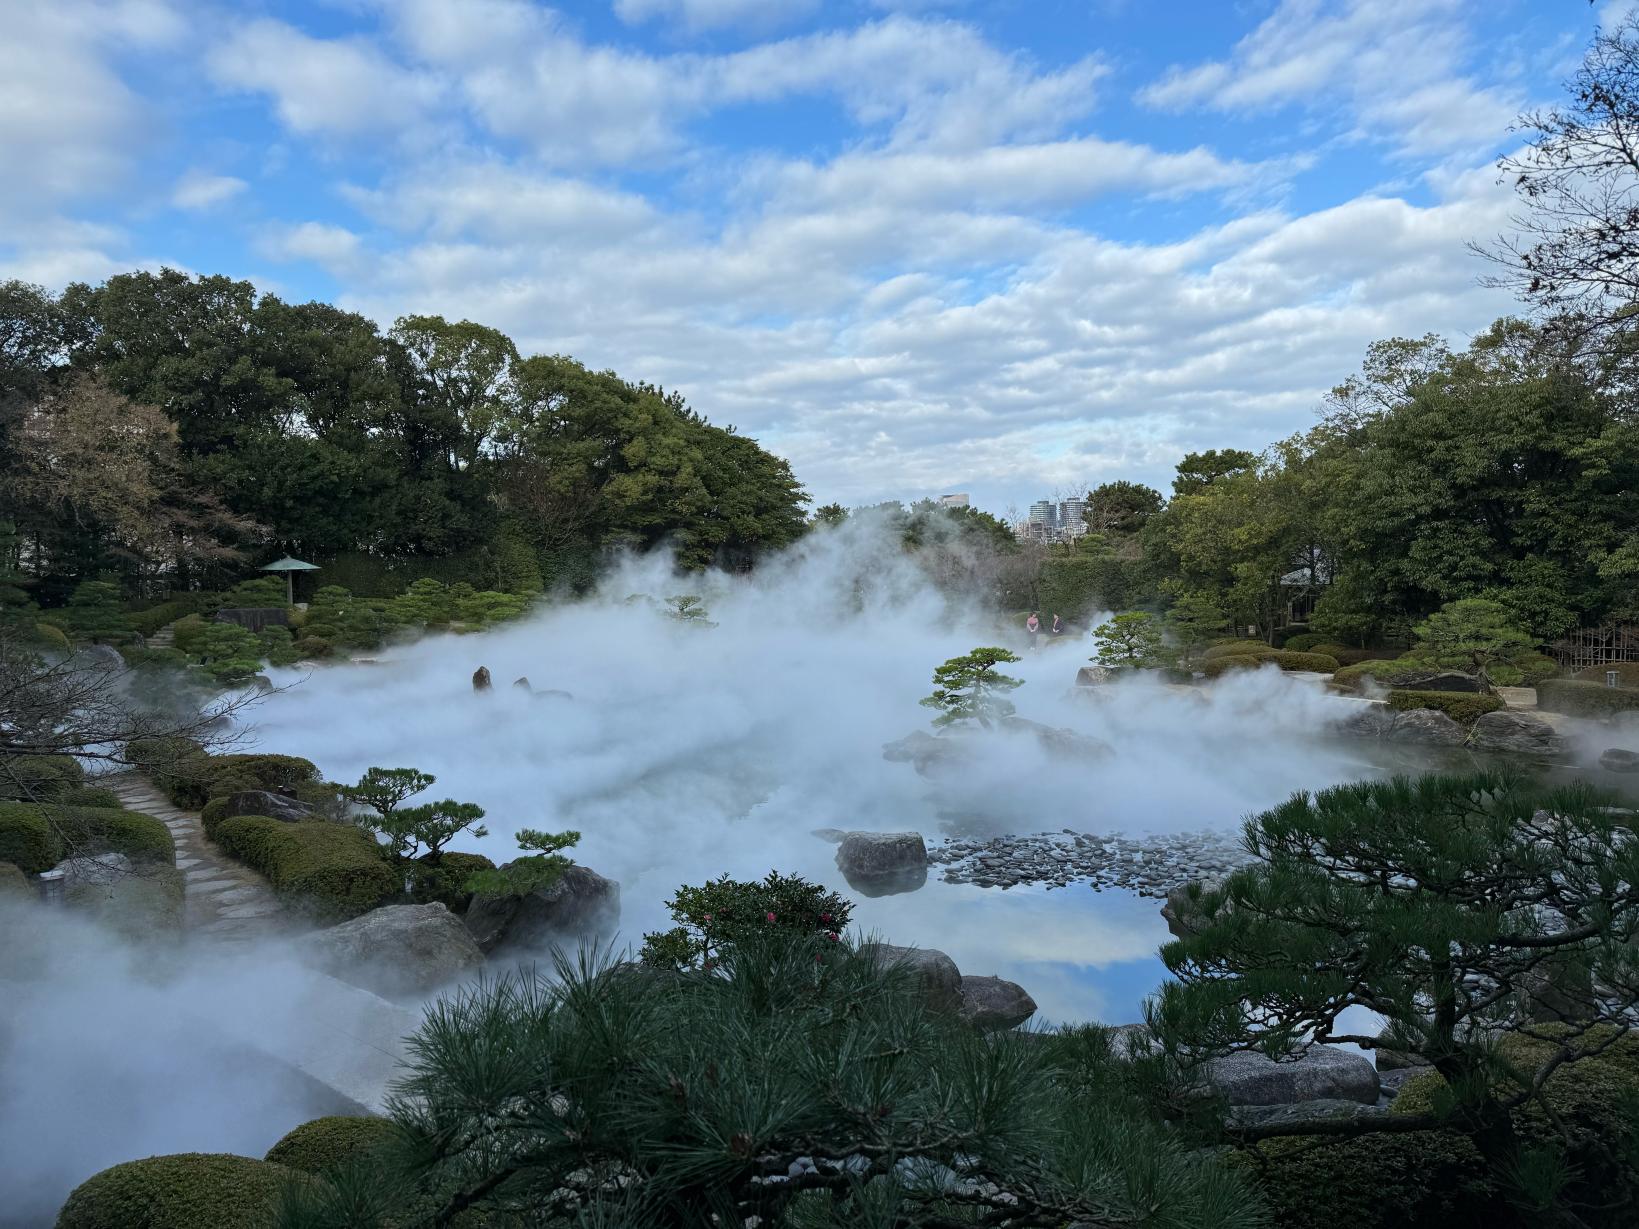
(714, 917)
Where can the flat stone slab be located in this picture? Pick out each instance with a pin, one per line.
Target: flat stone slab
(247, 911)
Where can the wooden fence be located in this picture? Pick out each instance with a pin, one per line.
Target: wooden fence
(1598, 646)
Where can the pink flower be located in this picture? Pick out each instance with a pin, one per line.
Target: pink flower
(708, 917)
(832, 936)
(825, 917)
(771, 917)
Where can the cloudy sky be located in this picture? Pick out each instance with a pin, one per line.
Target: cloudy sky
(917, 246)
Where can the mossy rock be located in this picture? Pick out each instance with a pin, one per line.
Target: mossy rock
(445, 881)
(189, 1190)
(327, 1143)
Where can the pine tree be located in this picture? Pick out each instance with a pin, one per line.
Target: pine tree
(969, 688)
(1131, 641)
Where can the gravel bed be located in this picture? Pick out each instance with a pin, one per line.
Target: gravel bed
(1148, 865)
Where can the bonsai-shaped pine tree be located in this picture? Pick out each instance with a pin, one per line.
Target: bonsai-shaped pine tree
(1464, 911)
(1476, 636)
(803, 1086)
(412, 832)
(686, 608)
(228, 652)
(712, 918)
(1132, 641)
(1195, 618)
(969, 688)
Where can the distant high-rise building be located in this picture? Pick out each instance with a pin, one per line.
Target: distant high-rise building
(1072, 517)
(953, 501)
(1043, 513)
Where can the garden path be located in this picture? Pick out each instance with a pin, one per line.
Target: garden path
(222, 898)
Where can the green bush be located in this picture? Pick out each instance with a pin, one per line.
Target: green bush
(191, 778)
(1463, 707)
(189, 632)
(446, 880)
(92, 796)
(40, 778)
(1577, 698)
(51, 637)
(1218, 666)
(14, 885)
(313, 648)
(1320, 663)
(1373, 1182)
(1535, 668)
(27, 840)
(1627, 674)
(328, 1143)
(190, 1190)
(147, 622)
(1238, 648)
(1303, 642)
(331, 871)
(172, 764)
(154, 659)
(1387, 672)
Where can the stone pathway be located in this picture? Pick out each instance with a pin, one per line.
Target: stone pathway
(223, 898)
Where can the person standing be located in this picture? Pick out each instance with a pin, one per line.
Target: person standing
(1058, 625)
(1033, 626)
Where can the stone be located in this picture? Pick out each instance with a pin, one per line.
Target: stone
(1094, 676)
(1439, 680)
(1516, 734)
(397, 950)
(1395, 1060)
(1616, 759)
(991, 1004)
(1428, 727)
(1060, 742)
(1324, 1109)
(480, 679)
(883, 863)
(581, 904)
(1369, 720)
(1322, 1072)
(274, 806)
(923, 751)
(941, 979)
(831, 835)
(1183, 910)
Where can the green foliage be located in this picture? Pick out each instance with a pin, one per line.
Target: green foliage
(694, 1088)
(96, 612)
(968, 688)
(47, 636)
(1121, 507)
(1239, 648)
(313, 648)
(1577, 698)
(449, 881)
(190, 1190)
(713, 918)
(91, 796)
(39, 778)
(36, 837)
(260, 592)
(1475, 636)
(1194, 618)
(1223, 658)
(27, 839)
(190, 778)
(1306, 642)
(412, 832)
(151, 619)
(1132, 641)
(1422, 900)
(536, 870)
(326, 1144)
(173, 764)
(330, 871)
(1217, 667)
(189, 633)
(1465, 708)
(686, 608)
(229, 653)
(1386, 672)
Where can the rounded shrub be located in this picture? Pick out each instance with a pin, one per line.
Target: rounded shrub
(14, 885)
(327, 1143)
(1217, 666)
(40, 778)
(1463, 707)
(190, 632)
(27, 840)
(189, 1190)
(173, 764)
(225, 775)
(1385, 672)
(1319, 663)
(1627, 674)
(313, 648)
(49, 636)
(1238, 648)
(92, 796)
(1577, 698)
(445, 881)
(329, 871)
(1305, 642)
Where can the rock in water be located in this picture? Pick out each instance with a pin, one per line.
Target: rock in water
(397, 950)
(522, 684)
(941, 979)
(274, 806)
(1516, 734)
(480, 679)
(1429, 727)
(1618, 760)
(1060, 741)
(925, 752)
(883, 863)
(1370, 720)
(580, 904)
(1183, 909)
(991, 1004)
(1322, 1073)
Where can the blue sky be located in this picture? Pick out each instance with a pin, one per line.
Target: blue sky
(1010, 247)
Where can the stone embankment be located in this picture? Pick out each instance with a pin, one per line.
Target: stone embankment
(1149, 866)
(223, 899)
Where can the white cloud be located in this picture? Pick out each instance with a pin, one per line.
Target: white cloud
(1397, 64)
(338, 87)
(200, 190)
(334, 248)
(716, 14)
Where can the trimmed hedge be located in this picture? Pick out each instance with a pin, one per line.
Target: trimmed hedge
(327, 1143)
(171, 763)
(1385, 671)
(92, 796)
(1463, 707)
(149, 621)
(1627, 673)
(1212, 667)
(52, 637)
(331, 871)
(1577, 698)
(1238, 648)
(27, 841)
(1305, 642)
(190, 778)
(1217, 666)
(190, 1190)
(39, 778)
(314, 647)
(14, 885)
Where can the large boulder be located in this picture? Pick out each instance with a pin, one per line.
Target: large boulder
(1368, 720)
(991, 1004)
(1094, 676)
(882, 863)
(941, 979)
(1428, 727)
(274, 806)
(1438, 680)
(1321, 1073)
(924, 752)
(1618, 760)
(396, 951)
(1059, 741)
(581, 904)
(1516, 734)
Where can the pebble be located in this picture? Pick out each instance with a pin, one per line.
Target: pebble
(1148, 866)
